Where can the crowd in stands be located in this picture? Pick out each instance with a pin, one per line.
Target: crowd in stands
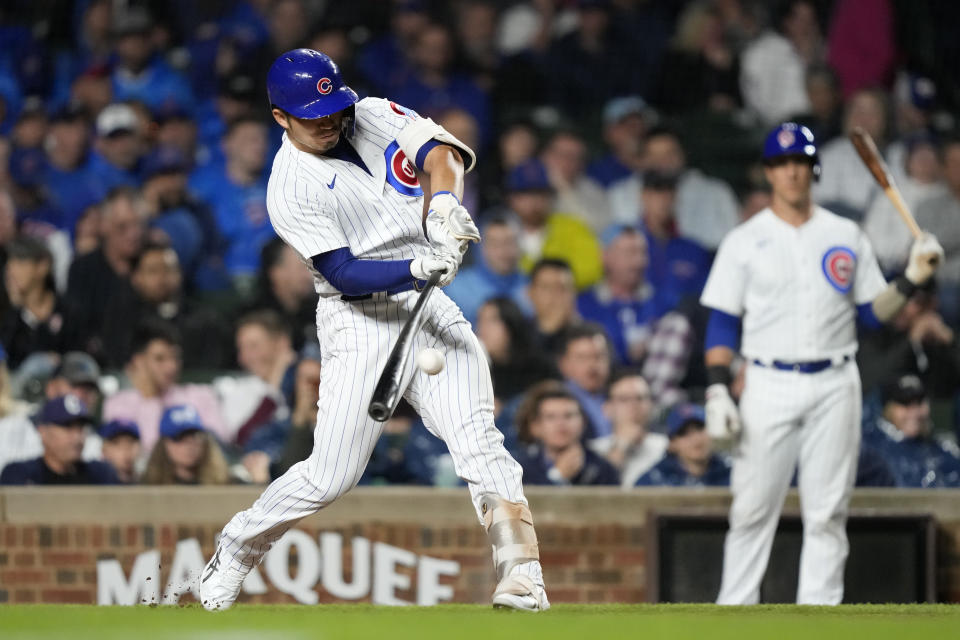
(154, 329)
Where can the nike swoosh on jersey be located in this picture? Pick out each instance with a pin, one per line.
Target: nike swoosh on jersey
(332, 182)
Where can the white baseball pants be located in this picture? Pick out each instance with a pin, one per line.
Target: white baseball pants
(793, 420)
(456, 405)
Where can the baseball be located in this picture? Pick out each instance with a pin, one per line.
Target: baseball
(430, 361)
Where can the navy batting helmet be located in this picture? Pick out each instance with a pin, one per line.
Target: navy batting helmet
(307, 84)
(791, 139)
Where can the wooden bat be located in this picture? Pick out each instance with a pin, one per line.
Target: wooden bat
(871, 157)
(386, 394)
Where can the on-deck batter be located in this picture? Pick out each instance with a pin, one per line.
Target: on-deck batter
(343, 193)
(794, 279)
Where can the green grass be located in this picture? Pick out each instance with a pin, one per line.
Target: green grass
(468, 622)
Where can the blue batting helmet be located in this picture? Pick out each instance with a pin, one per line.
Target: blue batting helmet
(792, 139)
(307, 84)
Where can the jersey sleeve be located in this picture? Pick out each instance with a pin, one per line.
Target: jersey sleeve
(303, 221)
(383, 118)
(869, 280)
(726, 283)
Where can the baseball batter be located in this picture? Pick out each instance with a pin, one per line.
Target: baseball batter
(345, 195)
(790, 285)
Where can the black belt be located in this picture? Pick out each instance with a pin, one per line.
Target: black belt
(369, 296)
(811, 366)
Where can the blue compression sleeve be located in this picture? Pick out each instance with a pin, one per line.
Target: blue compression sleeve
(355, 277)
(723, 330)
(866, 317)
(422, 153)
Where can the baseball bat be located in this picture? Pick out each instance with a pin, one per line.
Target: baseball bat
(386, 394)
(871, 157)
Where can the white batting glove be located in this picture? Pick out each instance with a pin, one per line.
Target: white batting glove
(926, 254)
(449, 224)
(723, 418)
(422, 266)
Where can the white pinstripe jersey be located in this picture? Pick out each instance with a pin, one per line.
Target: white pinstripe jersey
(796, 288)
(318, 203)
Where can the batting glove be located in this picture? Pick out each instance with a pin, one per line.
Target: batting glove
(723, 419)
(449, 224)
(926, 254)
(422, 266)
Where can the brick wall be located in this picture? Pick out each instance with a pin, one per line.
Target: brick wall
(593, 544)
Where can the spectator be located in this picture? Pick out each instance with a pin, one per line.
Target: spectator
(266, 356)
(553, 298)
(823, 93)
(915, 97)
(845, 185)
(139, 74)
(916, 341)
(552, 422)
(176, 129)
(285, 285)
(303, 414)
(706, 208)
(888, 235)
(941, 216)
(623, 302)
(153, 371)
(774, 65)
(584, 363)
(101, 274)
(9, 405)
(516, 363)
(121, 448)
(625, 124)
(66, 175)
(118, 148)
(631, 448)
(902, 436)
(62, 424)
(385, 61)
(690, 461)
(495, 273)
(432, 86)
(516, 144)
(236, 192)
(156, 291)
(678, 267)
(564, 156)
(548, 234)
(37, 319)
(862, 44)
(187, 452)
(701, 70)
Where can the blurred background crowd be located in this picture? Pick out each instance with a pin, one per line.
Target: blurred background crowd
(154, 328)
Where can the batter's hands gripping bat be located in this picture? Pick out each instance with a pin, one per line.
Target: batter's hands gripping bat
(871, 157)
(386, 395)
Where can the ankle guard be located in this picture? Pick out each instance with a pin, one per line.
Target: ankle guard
(509, 527)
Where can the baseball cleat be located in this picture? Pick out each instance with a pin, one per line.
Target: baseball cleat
(520, 592)
(219, 585)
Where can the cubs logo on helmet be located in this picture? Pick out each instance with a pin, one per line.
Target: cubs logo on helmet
(786, 138)
(324, 86)
(400, 173)
(839, 266)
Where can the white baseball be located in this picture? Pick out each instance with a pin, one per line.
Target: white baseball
(430, 361)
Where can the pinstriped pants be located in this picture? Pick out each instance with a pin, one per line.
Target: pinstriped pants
(808, 422)
(456, 406)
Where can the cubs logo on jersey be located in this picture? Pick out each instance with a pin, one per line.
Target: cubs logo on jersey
(839, 266)
(400, 173)
(403, 111)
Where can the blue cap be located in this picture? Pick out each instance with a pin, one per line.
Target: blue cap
(64, 410)
(179, 419)
(27, 165)
(165, 160)
(614, 231)
(116, 428)
(529, 176)
(683, 414)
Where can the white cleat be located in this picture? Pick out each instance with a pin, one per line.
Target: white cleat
(520, 592)
(219, 585)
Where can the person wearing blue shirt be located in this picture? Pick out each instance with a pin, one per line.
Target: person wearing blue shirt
(237, 192)
(139, 73)
(690, 461)
(624, 303)
(552, 422)
(118, 149)
(584, 363)
(902, 437)
(625, 122)
(678, 267)
(66, 175)
(61, 423)
(496, 272)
